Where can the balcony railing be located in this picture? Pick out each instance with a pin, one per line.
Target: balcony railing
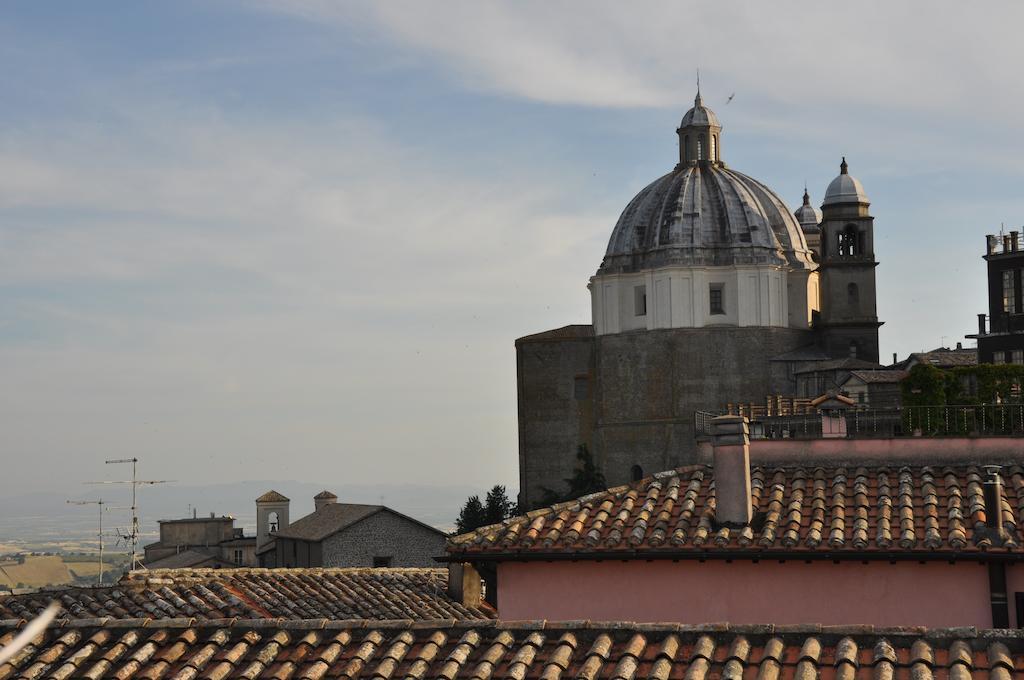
(878, 423)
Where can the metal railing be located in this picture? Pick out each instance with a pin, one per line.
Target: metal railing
(879, 423)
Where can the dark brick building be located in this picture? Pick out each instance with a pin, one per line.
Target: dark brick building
(1001, 333)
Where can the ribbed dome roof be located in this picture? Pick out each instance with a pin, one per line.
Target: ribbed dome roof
(699, 115)
(705, 214)
(807, 215)
(845, 188)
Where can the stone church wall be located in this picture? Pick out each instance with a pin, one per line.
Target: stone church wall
(644, 388)
(555, 391)
(384, 534)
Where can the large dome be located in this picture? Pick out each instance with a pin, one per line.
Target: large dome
(705, 214)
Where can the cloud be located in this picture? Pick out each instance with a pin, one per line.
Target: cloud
(645, 54)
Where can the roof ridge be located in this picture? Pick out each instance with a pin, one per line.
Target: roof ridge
(746, 629)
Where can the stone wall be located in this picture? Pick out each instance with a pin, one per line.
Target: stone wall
(555, 380)
(642, 390)
(384, 534)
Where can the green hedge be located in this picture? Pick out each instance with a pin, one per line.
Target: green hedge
(930, 386)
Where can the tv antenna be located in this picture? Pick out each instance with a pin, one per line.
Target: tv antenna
(131, 538)
(99, 535)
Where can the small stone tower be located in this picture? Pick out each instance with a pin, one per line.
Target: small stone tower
(322, 499)
(848, 322)
(271, 516)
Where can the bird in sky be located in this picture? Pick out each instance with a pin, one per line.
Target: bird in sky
(730, 98)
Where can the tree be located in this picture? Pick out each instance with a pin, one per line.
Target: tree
(498, 507)
(586, 479)
(471, 516)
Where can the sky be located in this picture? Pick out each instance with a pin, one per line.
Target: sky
(297, 239)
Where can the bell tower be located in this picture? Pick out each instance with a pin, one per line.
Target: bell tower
(848, 322)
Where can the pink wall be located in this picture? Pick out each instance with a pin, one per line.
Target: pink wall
(937, 450)
(934, 594)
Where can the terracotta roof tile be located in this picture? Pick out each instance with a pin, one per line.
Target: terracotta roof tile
(615, 650)
(360, 593)
(804, 509)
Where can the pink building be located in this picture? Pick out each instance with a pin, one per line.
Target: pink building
(840, 537)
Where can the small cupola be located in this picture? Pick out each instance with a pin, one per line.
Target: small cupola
(845, 188)
(807, 215)
(699, 135)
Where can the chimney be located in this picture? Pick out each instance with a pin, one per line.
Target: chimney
(993, 490)
(991, 243)
(1006, 243)
(731, 461)
(323, 499)
(894, 358)
(959, 345)
(464, 584)
(1014, 241)
(981, 324)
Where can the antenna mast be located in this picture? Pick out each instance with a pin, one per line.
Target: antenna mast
(132, 537)
(99, 535)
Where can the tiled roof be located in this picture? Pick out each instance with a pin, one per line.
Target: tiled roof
(858, 510)
(186, 558)
(334, 517)
(324, 495)
(847, 363)
(945, 358)
(361, 593)
(881, 376)
(571, 332)
(272, 497)
(328, 520)
(475, 650)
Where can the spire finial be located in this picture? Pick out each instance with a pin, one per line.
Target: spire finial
(842, 167)
(807, 196)
(697, 100)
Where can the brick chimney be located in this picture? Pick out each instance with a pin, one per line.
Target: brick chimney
(731, 460)
(322, 499)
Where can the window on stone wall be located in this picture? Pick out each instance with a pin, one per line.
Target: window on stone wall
(273, 522)
(580, 387)
(1017, 356)
(716, 303)
(238, 557)
(1009, 292)
(383, 561)
(998, 357)
(852, 294)
(640, 300)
